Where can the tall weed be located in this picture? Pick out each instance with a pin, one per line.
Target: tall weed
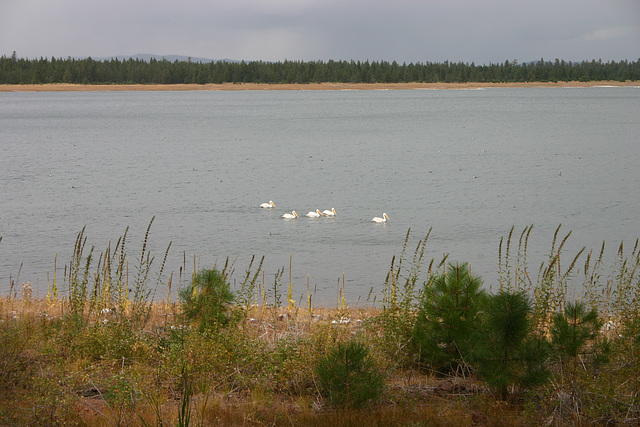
(107, 289)
(404, 287)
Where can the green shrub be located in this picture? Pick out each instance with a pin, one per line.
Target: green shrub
(447, 318)
(580, 348)
(574, 329)
(207, 300)
(16, 336)
(508, 353)
(111, 341)
(348, 376)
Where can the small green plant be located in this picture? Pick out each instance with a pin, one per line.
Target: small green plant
(348, 376)
(576, 332)
(248, 286)
(508, 353)
(401, 296)
(578, 344)
(51, 403)
(549, 295)
(448, 317)
(184, 414)
(78, 279)
(207, 300)
(16, 335)
(142, 294)
(122, 399)
(277, 285)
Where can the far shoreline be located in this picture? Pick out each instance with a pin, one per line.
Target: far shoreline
(63, 87)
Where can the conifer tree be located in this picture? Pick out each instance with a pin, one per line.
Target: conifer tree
(510, 355)
(206, 301)
(447, 318)
(576, 335)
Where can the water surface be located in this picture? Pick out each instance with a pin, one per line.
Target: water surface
(468, 164)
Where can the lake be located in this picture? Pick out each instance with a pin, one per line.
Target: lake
(467, 164)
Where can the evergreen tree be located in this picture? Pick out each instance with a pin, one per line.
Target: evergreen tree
(206, 301)
(448, 318)
(576, 335)
(348, 376)
(510, 355)
(15, 70)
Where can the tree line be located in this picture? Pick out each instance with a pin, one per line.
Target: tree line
(14, 70)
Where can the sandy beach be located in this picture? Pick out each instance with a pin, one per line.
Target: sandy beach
(310, 86)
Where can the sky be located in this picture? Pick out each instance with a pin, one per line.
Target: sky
(406, 31)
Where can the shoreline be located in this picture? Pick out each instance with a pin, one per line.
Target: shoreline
(64, 87)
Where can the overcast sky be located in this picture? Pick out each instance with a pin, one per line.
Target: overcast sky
(483, 32)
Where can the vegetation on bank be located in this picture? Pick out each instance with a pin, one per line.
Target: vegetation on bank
(14, 70)
(104, 348)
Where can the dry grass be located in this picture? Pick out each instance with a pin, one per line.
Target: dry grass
(49, 382)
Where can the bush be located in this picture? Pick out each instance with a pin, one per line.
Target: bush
(16, 335)
(447, 318)
(348, 377)
(206, 301)
(580, 348)
(576, 332)
(509, 353)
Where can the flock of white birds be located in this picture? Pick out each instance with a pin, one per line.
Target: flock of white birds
(317, 213)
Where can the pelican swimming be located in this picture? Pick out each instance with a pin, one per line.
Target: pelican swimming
(291, 215)
(331, 212)
(316, 214)
(384, 218)
(268, 205)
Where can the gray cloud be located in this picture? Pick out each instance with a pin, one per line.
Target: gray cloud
(403, 30)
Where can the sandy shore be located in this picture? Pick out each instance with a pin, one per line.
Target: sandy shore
(311, 86)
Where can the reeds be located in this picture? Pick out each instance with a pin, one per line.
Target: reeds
(107, 288)
(403, 285)
(614, 296)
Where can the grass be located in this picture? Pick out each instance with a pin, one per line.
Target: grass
(259, 374)
(103, 351)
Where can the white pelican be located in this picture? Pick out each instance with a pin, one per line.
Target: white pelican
(328, 212)
(316, 214)
(291, 215)
(384, 218)
(268, 205)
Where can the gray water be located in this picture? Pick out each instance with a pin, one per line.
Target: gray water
(468, 164)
